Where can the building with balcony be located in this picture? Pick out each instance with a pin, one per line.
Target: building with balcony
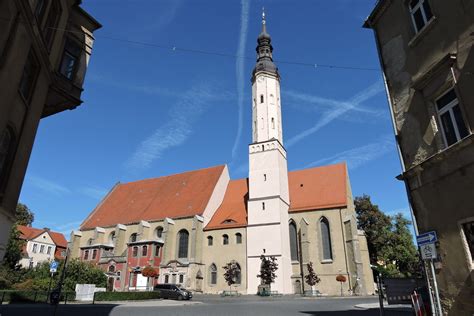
(188, 226)
(425, 49)
(45, 47)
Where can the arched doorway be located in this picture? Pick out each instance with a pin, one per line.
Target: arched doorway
(297, 287)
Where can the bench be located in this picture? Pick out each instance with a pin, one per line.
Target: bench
(230, 293)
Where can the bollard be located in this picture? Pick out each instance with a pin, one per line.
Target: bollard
(93, 298)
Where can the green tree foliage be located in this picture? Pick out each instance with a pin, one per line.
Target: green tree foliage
(232, 272)
(24, 216)
(38, 278)
(389, 240)
(14, 248)
(267, 269)
(311, 278)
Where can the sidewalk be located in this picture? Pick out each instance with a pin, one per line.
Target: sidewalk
(401, 307)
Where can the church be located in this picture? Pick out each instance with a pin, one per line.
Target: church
(186, 227)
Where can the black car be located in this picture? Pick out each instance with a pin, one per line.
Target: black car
(174, 291)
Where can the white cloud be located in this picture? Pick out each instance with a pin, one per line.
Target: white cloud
(239, 68)
(334, 109)
(358, 156)
(175, 132)
(47, 185)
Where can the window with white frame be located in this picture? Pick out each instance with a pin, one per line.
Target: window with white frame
(49, 250)
(451, 119)
(42, 249)
(35, 248)
(468, 231)
(421, 13)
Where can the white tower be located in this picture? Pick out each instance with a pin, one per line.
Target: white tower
(268, 203)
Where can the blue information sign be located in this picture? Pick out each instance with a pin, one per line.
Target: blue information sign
(53, 266)
(427, 238)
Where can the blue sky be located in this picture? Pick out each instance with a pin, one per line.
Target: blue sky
(164, 108)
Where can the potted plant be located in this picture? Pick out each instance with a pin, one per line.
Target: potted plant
(341, 278)
(312, 279)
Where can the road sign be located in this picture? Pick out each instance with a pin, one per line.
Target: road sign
(53, 266)
(428, 251)
(427, 238)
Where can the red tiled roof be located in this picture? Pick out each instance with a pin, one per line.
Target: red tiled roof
(233, 211)
(180, 195)
(310, 189)
(28, 233)
(318, 188)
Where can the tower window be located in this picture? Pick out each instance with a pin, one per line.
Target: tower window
(264, 177)
(263, 206)
(261, 98)
(225, 239)
(273, 123)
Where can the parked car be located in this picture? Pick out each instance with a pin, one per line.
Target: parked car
(173, 291)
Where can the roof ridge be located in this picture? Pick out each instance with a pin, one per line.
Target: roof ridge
(174, 174)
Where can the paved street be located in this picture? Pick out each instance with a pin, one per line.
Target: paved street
(210, 305)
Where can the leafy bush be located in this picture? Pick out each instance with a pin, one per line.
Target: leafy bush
(32, 296)
(126, 296)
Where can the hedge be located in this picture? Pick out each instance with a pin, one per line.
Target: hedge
(13, 296)
(126, 296)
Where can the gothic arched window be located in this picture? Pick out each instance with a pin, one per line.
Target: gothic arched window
(183, 242)
(144, 251)
(225, 239)
(159, 231)
(133, 237)
(326, 238)
(238, 238)
(210, 240)
(213, 274)
(112, 238)
(112, 268)
(293, 242)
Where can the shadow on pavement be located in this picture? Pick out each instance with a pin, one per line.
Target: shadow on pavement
(366, 312)
(62, 310)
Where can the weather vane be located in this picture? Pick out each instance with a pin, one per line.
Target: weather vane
(263, 15)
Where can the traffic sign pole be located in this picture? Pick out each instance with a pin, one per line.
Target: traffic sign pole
(435, 285)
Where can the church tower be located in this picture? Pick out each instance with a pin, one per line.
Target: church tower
(268, 202)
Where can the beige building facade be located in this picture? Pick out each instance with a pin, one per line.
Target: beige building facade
(425, 49)
(188, 226)
(45, 47)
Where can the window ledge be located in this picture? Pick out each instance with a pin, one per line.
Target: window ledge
(326, 261)
(468, 140)
(422, 33)
(295, 262)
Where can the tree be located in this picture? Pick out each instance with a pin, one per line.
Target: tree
(311, 278)
(232, 273)
(24, 216)
(149, 272)
(14, 249)
(267, 269)
(376, 226)
(389, 240)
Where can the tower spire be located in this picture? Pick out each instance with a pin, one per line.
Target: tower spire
(264, 51)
